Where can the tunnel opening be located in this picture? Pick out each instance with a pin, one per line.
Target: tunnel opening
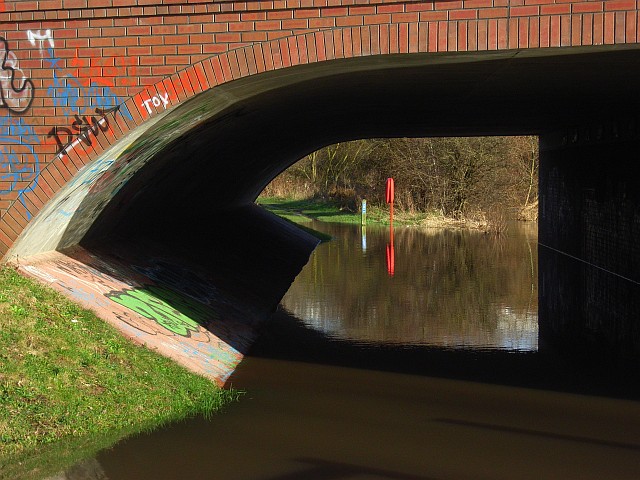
(458, 270)
(176, 195)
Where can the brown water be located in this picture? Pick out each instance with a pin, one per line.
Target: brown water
(432, 373)
(448, 288)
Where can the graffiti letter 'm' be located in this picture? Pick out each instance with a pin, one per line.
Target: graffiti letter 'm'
(16, 90)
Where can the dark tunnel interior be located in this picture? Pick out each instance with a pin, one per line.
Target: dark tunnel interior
(206, 160)
(225, 161)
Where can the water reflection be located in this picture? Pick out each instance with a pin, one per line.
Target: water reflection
(329, 409)
(424, 287)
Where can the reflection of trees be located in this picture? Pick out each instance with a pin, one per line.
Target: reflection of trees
(449, 288)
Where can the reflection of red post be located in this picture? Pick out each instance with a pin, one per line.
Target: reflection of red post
(390, 194)
(391, 259)
(391, 254)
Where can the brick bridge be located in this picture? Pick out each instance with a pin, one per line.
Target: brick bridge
(127, 129)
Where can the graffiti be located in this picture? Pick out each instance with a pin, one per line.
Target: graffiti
(78, 97)
(40, 37)
(81, 130)
(16, 127)
(179, 278)
(94, 172)
(16, 89)
(172, 323)
(156, 100)
(165, 307)
(18, 175)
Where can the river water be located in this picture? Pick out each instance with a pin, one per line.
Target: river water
(420, 361)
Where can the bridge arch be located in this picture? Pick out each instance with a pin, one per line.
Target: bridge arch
(402, 86)
(181, 173)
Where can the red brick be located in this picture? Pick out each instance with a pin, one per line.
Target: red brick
(226, 67)
(446, 5)
(303, 52)
(268, 25)
(472, 35)
(513, 33)
(7, 235)
(347, 44)
(576, 30)
(357, 41)
(524, 11)
(306, 13)
(609, 28)
(287, 54)
(384, 39)
(545, 31)
(377, 19)
(322, 22)
(432, 16)
(620, 28)
(558, 9)
(391, 8)
(252, 16)
(493, 13)
(467, 14)
(335, 12)
(492, 34)
(349, 21)
(294, 24)
(523, 33)
(585, 7)
(374, 34)
(534, 32)
(482, 35)
(362, 10)
(442, 36)
(555, 31)
(241, 27)
(620, 5)
(310, 45)
(631, 28)
(418, 7)
(598, 28)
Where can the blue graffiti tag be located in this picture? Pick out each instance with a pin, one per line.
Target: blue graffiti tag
(76, 99)
(14, 172)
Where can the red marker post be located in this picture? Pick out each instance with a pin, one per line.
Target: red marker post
(390, 194)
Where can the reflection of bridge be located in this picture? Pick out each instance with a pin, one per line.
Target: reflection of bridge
(219, 97)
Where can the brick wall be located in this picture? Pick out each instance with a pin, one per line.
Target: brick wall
(78, 74)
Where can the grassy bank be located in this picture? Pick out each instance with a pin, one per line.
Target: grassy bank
(67, 375)
(305, 210)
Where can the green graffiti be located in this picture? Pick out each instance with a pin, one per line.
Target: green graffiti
(177, 314)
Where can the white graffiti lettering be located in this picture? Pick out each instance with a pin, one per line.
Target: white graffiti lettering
(41, 37)
(157, 100)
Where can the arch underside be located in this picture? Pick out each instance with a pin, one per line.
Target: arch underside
(171, 205)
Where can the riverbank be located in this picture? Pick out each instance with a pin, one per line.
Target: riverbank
(301, 211)
(67, 375)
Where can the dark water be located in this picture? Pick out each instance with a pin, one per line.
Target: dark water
(434, 372)
(448, 288)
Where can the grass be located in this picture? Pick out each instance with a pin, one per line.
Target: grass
(301, 211)
(67, 375)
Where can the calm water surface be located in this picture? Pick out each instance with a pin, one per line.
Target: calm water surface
(447, 288)
(431, 371)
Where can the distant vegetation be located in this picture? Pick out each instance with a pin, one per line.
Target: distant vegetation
(475, 178)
